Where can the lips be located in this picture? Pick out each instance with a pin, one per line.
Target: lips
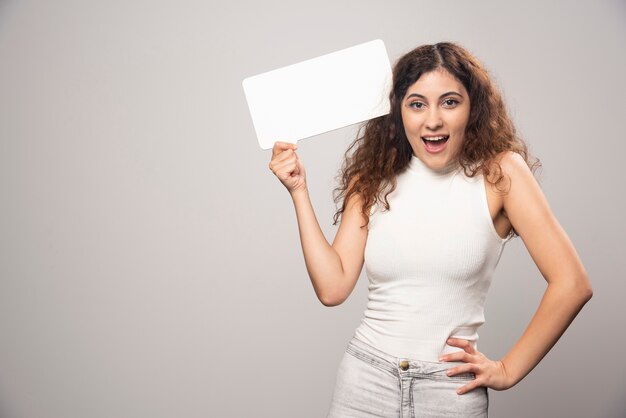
(435, 144)
(435, 139)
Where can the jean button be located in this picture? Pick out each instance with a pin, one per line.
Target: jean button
(404, 365)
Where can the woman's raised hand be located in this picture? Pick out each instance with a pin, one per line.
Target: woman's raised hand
(286, 165)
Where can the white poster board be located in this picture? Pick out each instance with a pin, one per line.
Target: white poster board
(320, 94)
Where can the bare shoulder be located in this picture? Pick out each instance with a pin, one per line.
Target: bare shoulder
(524, 203)
(507, 168)
(513, 163)
(497, 184)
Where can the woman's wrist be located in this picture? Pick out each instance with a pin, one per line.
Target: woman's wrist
(299, 193)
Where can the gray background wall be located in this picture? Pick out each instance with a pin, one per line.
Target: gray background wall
(150, 263)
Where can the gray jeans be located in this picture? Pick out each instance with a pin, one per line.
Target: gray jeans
(371, 383)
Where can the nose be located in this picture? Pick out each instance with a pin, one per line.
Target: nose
(433, 121)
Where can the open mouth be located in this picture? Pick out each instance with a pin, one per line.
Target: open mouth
(435, 144)
(435, 139)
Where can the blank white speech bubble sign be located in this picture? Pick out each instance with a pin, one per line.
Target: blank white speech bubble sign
(321, 94)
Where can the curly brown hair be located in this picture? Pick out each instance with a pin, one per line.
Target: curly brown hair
(384, 151)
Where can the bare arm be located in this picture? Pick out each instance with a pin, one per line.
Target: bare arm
(554, 254)
(333, 269)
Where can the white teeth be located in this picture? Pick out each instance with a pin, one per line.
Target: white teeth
(433, 138)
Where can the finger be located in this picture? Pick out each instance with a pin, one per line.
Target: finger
(284, 145)
(280, 146)
(456, 356)
(452, 342)
(463, 368)
(281, 157)
(284, 156)
(467, 388)
(464, 344)
(288, 165)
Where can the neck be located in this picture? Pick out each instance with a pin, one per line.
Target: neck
(418, 166)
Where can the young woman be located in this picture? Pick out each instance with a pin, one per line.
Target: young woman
(432, 193)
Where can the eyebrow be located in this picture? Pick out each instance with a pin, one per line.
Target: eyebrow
(424, 97)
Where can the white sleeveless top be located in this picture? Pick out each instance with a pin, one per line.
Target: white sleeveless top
(429, 261)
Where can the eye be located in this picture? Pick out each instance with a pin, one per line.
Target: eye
(450, 102)
(421, 105)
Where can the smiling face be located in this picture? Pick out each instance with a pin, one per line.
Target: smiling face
(435, 106)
